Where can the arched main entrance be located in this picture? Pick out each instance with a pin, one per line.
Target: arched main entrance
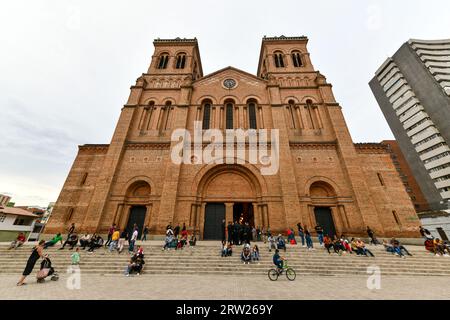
(137, 200)
(323, 197)
(230, 192)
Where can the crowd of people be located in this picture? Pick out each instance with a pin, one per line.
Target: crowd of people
(435, 245)
(237, 234)
(178, 240)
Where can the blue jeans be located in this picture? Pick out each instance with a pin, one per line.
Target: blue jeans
(309, 242)
(113, 245)
(302, 236)
(320, 237)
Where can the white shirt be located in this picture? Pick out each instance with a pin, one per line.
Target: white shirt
(134, 236)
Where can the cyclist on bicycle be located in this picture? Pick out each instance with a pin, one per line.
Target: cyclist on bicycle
(278, 261)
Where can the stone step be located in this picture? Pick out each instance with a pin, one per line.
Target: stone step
(205, 259)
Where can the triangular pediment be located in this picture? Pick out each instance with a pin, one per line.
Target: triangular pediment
(232, 73)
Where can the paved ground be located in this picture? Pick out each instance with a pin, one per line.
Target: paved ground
(211, 287)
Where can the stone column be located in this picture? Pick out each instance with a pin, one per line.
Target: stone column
(229, 211)
(148, 214)
(118, 214)
(124, 216)
(338, 225)
(257, 215)
(201, 219)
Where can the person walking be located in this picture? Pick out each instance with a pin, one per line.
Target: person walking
(176, 231)
(133, 239)
(301, 233)
(122, 240)
(223, 230)
(308, 239)
(114, 240)
(145, 233)
(230, 232)
(319, 231)
(371, 235)
(38, 252)
(236, 234)
(110, 233)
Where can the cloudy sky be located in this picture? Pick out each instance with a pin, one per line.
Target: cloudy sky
(66, 66)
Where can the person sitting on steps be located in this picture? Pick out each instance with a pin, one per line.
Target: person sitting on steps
(246, 255)
(271, 242)
(281, 244)
(255, 253)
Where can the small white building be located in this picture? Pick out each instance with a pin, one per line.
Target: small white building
(437, 222)
(15, 220)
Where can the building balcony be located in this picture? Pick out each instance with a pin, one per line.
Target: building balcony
(442, 184)
(411, 112)
(445, 195)
(440, 173)
(397, 104)
(397, 86)
(434, 152)
(406, 106)
(415, 119)
(422, 126)
(404, 89)
(437, 162)
(430, 143)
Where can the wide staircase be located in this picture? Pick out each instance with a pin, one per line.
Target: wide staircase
(204, 258)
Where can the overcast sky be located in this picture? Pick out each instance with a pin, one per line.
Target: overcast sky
(66, 66)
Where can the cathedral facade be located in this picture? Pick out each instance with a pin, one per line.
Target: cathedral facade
(322, 178)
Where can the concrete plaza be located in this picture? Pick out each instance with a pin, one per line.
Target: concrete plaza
(212, 287)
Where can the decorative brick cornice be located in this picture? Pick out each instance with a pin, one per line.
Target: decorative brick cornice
(371, 148)
(176, 40)
(313, 145)
(284, 38)
(91, 147)
(147, 145)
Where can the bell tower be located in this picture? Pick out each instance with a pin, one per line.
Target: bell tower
(283, 55)
(176, 57)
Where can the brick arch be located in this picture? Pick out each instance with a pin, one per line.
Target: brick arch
(235, 99)
(287, 99)
(138, 189)
(206, 97)
(313, 99)
(135, 182)
(168, 99)
(150, 99)
(321, 189)
(252, 97)
(244, 175)
(326, 184)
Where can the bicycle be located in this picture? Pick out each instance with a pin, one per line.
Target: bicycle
(275, 273)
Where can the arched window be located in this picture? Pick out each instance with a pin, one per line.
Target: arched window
(181, 61)
(278, 56)
(146, 118)
(206, 115)
(167, 109)
(229, 106)
(296, 59)
(252, 114)
(163, 60)
(313, 115)
(291, 113)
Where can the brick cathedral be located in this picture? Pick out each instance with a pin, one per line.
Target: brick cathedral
(323, 176)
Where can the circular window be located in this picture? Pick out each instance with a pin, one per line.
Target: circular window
(229, 83)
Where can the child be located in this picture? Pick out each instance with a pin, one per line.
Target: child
(76, 257)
